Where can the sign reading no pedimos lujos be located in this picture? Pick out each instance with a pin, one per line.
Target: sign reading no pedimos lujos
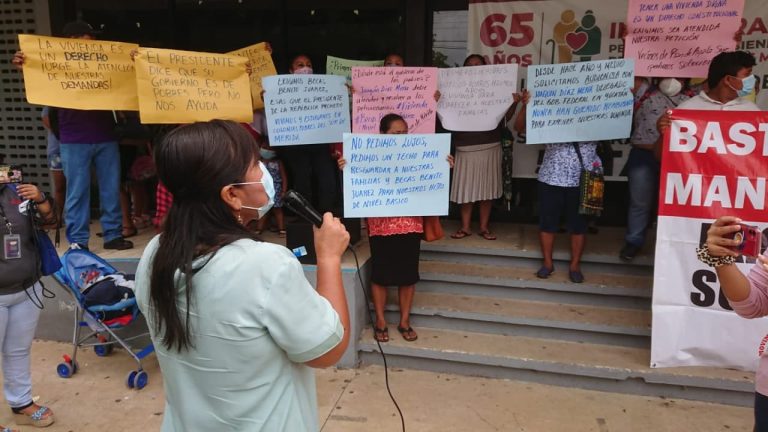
(261, 66)
(396, 175)
(185, 87)
(78, 73)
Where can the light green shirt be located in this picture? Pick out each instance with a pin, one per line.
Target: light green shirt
(254, 320)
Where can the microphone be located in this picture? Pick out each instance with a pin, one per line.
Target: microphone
(299, 205)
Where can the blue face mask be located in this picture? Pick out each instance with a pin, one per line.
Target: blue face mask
(269, 188)
(747, 86)
(267, 154)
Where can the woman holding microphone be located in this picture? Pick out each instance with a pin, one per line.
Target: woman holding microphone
(236, 325)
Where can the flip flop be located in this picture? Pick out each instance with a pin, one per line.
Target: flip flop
(460, 234)
(381, 334)
(487, 235)
(405, 332)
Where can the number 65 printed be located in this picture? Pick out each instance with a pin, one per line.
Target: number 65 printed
(493, 31)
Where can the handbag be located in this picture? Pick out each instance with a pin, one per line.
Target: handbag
(49, 258)
(433, 229)
(591, 187)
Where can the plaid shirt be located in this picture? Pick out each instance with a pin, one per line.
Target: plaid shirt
(163, 201)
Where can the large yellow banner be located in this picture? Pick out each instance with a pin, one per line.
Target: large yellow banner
(186, 87)
(79, 73)
(261, 66)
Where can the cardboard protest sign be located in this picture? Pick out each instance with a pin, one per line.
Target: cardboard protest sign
(679, 39)
(185, 86)
(579, 101)
(343, 67)
(396, 175)
(306, 109)
(407, 91)
(261, 66)
(713, 165)
(475, 98)
(78, 73)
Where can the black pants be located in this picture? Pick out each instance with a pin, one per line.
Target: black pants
(761, 413)
(313, 174)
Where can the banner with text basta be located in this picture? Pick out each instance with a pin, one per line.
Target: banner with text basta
(78, 73)
(714, 164)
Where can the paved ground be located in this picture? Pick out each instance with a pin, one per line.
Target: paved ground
(96, 399)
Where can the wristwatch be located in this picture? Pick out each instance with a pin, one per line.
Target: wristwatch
(45, 198)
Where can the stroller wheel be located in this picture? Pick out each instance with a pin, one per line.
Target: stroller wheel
(140, 380)
(130, 378)
(65, 370)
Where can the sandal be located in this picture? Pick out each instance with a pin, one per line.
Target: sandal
(42, 417)
(130, 232)
(407, 333)
(487, 235)
(7, 429)
(381, 334)
(460, 234)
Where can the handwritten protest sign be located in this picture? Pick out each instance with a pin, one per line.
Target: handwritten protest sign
(396, 175)
(408, 91)
(185, 86)
(78, 73)
(679, 38)
(306, 109)
(579, 101)
(476, 98)
(261, 66)
(343, 67)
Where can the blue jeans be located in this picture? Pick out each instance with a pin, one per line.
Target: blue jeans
(643, 174)
(18, 321)
(77, 160)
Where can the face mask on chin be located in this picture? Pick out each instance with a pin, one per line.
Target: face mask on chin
(269, 188)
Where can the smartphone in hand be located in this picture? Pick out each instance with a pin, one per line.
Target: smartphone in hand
(750, 240)
(10, 174)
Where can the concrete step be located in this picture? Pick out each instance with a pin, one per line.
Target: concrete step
(578, 323)
(569, 364)
(628, 291)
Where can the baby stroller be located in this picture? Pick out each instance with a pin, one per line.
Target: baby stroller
(82, 270)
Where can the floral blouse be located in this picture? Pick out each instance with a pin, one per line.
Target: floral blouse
(384, 226)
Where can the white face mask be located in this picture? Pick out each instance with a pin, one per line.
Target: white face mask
(269, 188)
(306, 70)
(670, 86)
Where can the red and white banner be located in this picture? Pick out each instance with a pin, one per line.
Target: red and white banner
(715, 163)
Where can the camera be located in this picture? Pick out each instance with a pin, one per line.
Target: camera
(750, 240)
(10, 174)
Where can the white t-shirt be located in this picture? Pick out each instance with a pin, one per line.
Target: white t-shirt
(703, 102)
(254, 320)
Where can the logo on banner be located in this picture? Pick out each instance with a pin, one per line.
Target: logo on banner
(574, 39)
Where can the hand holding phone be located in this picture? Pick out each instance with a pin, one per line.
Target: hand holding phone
(750, 240)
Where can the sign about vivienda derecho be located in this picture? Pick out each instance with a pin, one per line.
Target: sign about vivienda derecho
(586, 101)
(186, 87)
(78, 73)
(407, 91)
(713, 165)
(476, 98)
(261, 66)
(679, 38)
(396, 175)
(306, 109)
(343, 67)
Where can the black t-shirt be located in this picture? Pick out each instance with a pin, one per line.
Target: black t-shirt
(17, 274)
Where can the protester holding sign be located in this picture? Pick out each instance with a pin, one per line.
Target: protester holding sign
(88, 140)
(311, 166)
(642, 168)
(560, 196)
(477, 178)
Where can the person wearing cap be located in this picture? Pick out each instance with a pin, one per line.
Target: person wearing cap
(88, 140)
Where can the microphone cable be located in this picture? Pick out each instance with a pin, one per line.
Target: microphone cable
(372, 319)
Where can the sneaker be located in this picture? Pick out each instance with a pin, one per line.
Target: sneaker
(78, 246)
(628, 252)
(118, 243)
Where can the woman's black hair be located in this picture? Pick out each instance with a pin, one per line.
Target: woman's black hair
(477, 56)
(293, 59)
(195, 162)
(387, 120)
